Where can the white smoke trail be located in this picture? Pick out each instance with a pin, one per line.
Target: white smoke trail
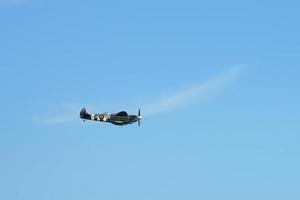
(66, 113)
(192, 94)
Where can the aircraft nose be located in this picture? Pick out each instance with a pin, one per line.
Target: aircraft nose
(140, 117)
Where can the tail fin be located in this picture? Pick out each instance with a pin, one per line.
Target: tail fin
(84, 114)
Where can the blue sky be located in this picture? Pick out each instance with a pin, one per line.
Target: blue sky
(236, 139)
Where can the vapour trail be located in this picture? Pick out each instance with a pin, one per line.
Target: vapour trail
(195, 93)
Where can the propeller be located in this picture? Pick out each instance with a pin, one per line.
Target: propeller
(139, 116)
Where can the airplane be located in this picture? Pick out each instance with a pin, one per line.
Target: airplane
(120, 118)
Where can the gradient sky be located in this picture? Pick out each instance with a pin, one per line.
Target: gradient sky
(240, 141)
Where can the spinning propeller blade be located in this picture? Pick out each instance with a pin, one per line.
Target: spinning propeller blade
(139, 114)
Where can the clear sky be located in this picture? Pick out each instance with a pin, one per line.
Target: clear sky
(219, 80)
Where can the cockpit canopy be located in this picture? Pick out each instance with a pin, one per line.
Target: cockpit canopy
(122, 113)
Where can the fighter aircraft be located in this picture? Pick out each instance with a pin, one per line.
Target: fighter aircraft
(121, 118)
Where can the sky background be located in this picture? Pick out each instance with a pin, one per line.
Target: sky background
(238, 140)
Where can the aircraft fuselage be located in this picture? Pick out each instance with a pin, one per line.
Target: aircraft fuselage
(121, 118)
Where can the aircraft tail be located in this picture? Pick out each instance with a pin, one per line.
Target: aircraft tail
(84, 114)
